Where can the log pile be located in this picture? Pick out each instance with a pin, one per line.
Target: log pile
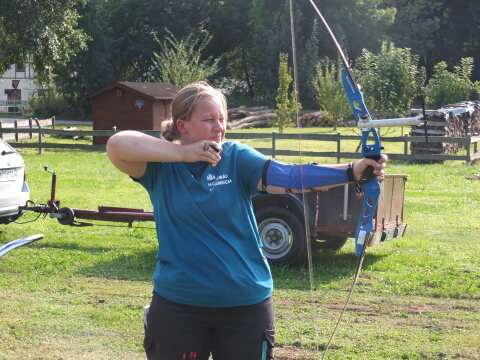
(262, 116)
(254, 117)
(475, 122)
(315, 119)
(455, 120)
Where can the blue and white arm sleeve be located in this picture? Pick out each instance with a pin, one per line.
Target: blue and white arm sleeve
(301, 177)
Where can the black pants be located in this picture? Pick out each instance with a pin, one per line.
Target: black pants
(183, 332)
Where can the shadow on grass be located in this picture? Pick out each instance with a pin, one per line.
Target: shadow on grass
(137, 265)
(328, 266)
(63, 245)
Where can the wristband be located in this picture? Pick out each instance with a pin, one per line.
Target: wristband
(350, 176)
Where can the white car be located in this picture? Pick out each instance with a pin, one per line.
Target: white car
(14, 191)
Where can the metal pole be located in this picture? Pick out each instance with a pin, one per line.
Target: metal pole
(15, 124)
(15, 96)
(468, 143)
(273, 144)
(339, 134)
(405, 148)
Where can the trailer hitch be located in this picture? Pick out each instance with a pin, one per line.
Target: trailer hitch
(68, 216)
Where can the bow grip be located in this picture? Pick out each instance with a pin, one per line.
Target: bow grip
(368, 174)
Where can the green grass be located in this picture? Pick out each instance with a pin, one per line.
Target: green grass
(78, 293)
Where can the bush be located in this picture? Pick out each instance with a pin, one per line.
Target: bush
(180, 62)
(329, 90)
(390, 79)
(50, 103)
(447, 87)
(236, 91)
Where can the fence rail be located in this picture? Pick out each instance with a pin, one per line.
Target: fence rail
(467, 142)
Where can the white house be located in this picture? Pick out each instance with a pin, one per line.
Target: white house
(23, 76)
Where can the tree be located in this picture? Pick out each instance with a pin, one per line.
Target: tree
(390, 79)
(287, 104)
(438, 30)
(44, 30)
(94, 67)
(270, 36)
(179, 62)
(329, 90)
(356, 24)
(307, 63)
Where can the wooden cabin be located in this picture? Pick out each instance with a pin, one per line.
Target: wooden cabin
(131, 106)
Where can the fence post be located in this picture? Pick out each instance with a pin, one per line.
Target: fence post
(1, 131)
(405, 148)
(274, 136)
(475, 144)
(30, 126)
(468, 142)
(339, 133)
(16, 128)
(53, 122)
(40, 149)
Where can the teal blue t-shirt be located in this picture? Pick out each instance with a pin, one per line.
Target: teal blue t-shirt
(209, 248)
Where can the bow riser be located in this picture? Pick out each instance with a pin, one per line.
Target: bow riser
(367, 212)
(373, 151)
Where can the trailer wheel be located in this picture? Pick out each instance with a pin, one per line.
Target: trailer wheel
(282, 235)
(331, 242)
(67, 216)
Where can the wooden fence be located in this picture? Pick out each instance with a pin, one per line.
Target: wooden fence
(20, 125)
(468, 143)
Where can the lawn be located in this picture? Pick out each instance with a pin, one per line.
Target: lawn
(79, 292)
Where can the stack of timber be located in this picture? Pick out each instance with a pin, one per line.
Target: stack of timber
(454, 120)
(253, 117)
(315, 119)
(262, 116)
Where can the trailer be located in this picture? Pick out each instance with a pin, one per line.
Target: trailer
(327, 217)
(331, 216)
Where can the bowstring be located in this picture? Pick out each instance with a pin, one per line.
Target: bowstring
(304, 196)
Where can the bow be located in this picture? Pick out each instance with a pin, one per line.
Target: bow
(371, 148)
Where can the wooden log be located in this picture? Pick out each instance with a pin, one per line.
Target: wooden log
(244, 108)
(268, 116)
(315, 119)
(255, 124)
(232, 110)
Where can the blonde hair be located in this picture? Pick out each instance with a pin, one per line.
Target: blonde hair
(184, 103)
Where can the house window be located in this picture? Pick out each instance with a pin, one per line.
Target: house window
(20, 67)
(13, 94)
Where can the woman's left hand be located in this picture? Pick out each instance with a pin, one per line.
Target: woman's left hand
(378, 167)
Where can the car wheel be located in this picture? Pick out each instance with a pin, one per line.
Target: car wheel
(330, 242)
(282, 235)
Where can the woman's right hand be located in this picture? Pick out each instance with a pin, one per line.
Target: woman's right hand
(204, 150)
